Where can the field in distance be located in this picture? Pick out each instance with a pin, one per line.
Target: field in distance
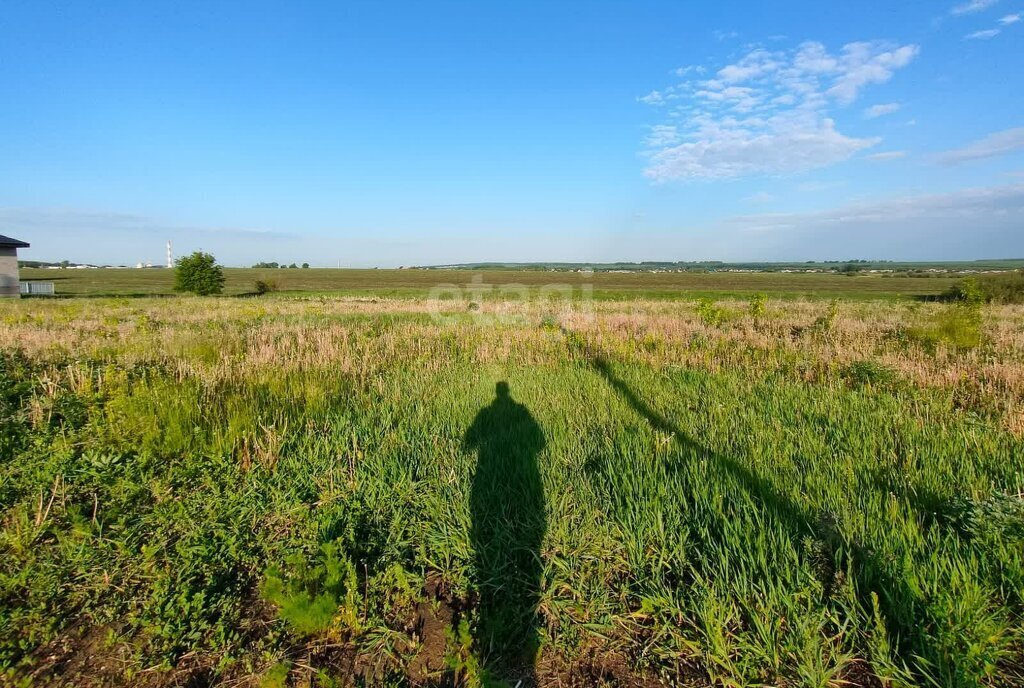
(411, 283)
(321, 491)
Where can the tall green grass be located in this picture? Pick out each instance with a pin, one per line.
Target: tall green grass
(311, 522)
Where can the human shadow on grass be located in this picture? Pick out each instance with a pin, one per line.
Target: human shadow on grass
(508, 526)
(903, 611)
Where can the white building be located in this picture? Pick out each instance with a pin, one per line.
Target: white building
(9, 266)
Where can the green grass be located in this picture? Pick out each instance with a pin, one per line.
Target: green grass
(406, 283)
(236, 510)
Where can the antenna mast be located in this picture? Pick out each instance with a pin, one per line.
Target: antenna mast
(170, 256)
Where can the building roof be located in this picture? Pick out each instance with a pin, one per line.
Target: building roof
(8, 242)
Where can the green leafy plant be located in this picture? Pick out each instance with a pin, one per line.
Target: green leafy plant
(758, 306)
(277, 676)
(709, 313)
(461, 659)
(199, 274)
(311, 599)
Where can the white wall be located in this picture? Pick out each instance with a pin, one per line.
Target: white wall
(9, 272)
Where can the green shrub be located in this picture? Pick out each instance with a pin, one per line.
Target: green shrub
(1004, 288)
(264, 286)
(758, 305)
(311, 597)
(1007, 288)
(710, 314)
(199, 274)
(869, 374)
(277, 677)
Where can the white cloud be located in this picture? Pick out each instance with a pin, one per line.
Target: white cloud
(683, 71)
(861, 65)
(662, 135)
(652, 98)
(982, 35)
(760, 197)
(998, 143)
(882, 109)
(1009, 19)
(754, 64)
(886, 155)
(768, 112)
(972, 6)
(729, 153)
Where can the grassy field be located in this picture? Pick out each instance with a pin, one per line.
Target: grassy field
(345, 490)
(411, 283)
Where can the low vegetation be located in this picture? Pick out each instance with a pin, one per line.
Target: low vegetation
(311, 490)
(1005, 287)
(418, 283)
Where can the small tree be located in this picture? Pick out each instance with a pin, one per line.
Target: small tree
(199, 274)
(305, 266)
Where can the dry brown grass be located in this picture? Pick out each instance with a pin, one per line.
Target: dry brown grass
(225, 339)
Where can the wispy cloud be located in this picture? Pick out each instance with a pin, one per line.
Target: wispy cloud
(43, 219)
(688, 69)
(768, 112)
(653, 98)
(956, 206)
(886, 155)
(998, 143)
(983, 35)
(959, 224)
(972, 7)
(1009, 19)
(879, 110)
(760, 197)
(105, 237)
(662, 135)
(817, 186)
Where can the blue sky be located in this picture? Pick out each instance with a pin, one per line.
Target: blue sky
(384, 133)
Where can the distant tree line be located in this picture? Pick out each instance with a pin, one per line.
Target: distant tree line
(282, 266)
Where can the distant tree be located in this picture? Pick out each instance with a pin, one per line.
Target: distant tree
(199, 274)
(305, 266)
(266, 265)
(293, 266)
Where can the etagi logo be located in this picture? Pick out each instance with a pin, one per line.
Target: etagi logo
(511, 303)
